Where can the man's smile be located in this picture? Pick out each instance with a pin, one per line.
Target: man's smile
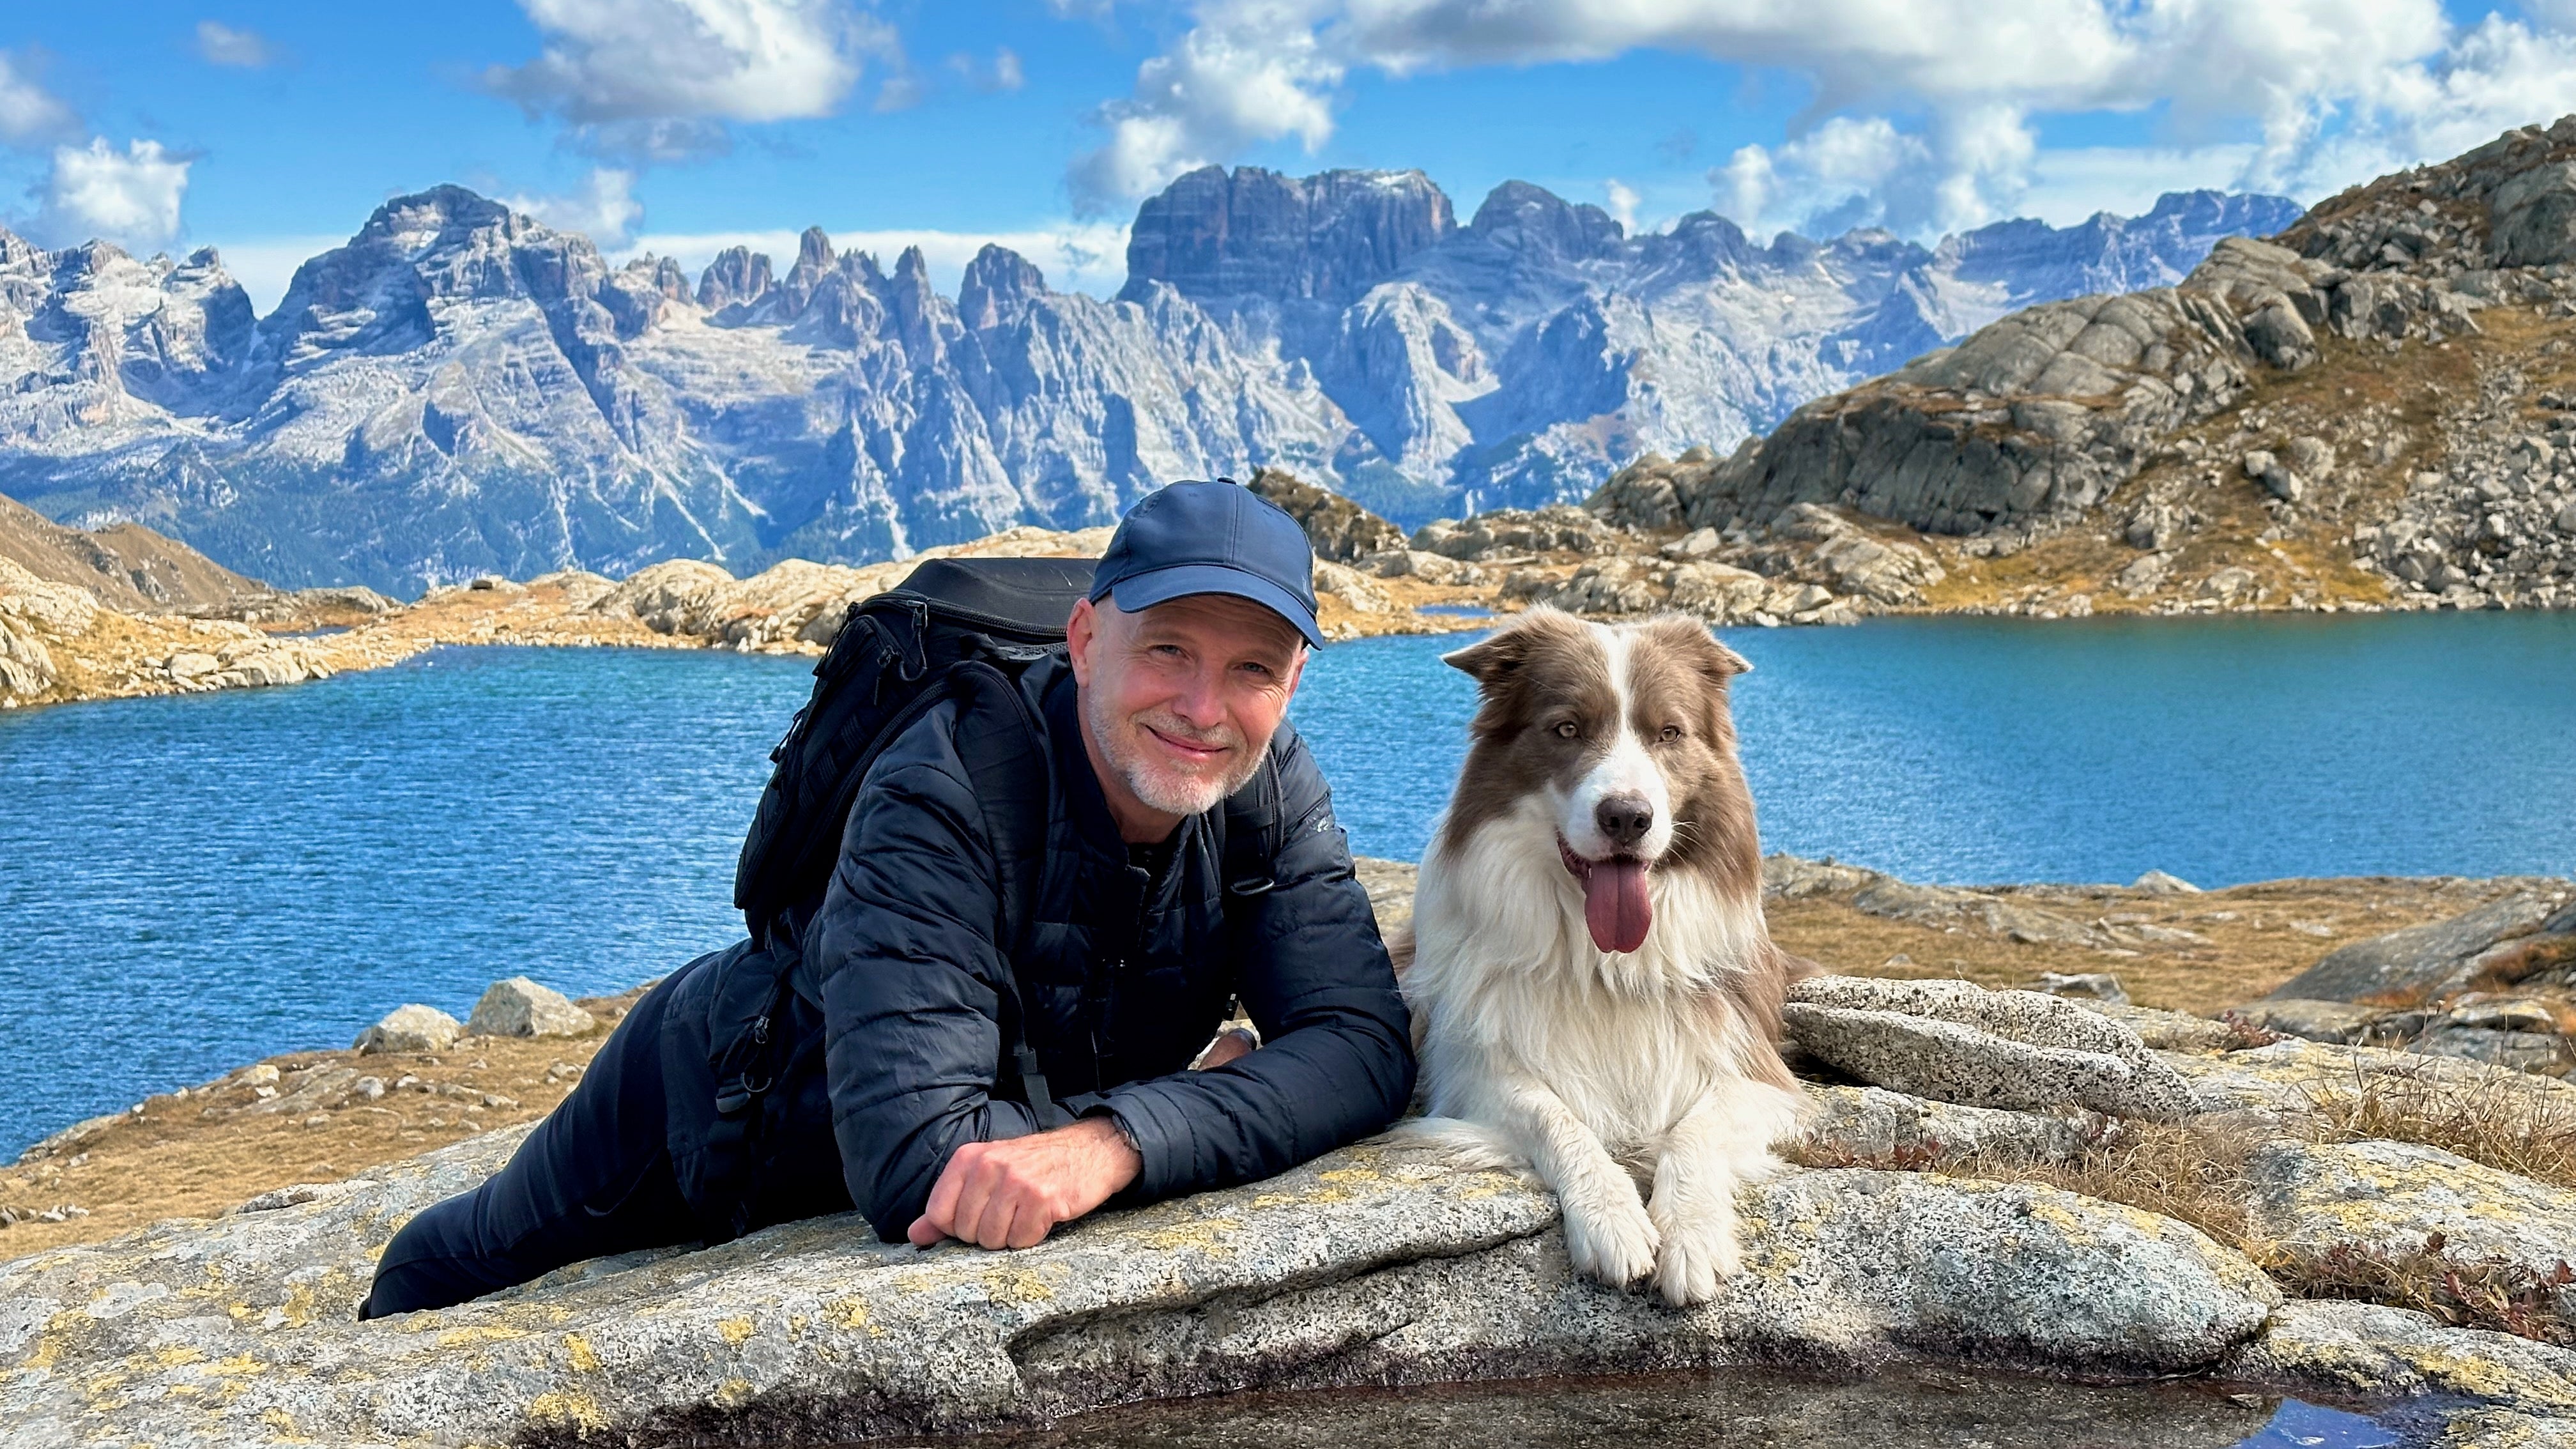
(1195, 753)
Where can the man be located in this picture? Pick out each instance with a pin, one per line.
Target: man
(889, 1094)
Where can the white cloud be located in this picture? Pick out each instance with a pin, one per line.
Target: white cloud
(603, 209)
(2333, 90)
(657, 79)
(1076, 256)
(129, 197)
(29, 114)
(1623, 200)
(221, 44)
(1251, 71)
(2070, 183)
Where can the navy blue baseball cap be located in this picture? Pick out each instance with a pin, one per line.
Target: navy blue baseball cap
(1211, 538)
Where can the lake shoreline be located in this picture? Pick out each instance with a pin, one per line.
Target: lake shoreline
(317, 1114)
(125, 656)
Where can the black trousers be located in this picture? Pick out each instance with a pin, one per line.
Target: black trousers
(594, 1178)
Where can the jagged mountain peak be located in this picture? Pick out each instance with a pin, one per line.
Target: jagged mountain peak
(460, 388)
(1327, 237)
(1522, 214)
(998, 285)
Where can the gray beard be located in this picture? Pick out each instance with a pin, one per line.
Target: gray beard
(1168, 792)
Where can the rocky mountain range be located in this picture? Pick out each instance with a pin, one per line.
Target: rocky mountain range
(1521, 358)
(462, 390)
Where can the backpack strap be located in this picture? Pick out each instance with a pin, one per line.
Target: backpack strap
(998, 739)
(1248, 835)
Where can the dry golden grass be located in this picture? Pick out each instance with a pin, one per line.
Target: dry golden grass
(2498, 1122)
(2255, 936)
(196, 1155)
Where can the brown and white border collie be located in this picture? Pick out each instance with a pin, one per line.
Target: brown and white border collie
(1594, 991)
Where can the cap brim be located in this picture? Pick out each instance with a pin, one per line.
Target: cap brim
(1161, 586)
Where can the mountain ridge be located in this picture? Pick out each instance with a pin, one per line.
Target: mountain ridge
(461, 390)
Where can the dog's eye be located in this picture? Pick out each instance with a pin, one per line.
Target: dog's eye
(1672, 733)
(1567, 729)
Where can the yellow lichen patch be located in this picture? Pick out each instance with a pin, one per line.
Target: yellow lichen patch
(1208, 1235)
(735, 1330)
(1351, 1175)
(568, 1406)
(852, 1312)
(100, 1384)
(283, 1423)
(176, 1354)
(1011, 1284)
(299, 1305)
(732, 1394)
(474, 1333)
(240, 1365)
(577, 1349)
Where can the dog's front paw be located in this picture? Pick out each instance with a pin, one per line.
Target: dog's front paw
(1611, 1240)
(1693, 1259)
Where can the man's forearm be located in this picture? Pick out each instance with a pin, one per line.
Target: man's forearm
(1012, 1194)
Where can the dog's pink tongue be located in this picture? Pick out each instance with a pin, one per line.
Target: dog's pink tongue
(1615, 905)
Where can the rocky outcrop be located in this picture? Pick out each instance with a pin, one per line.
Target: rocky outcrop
(2394, 1200)
(1365, 1267)
(1951, 1042)
(2498, 943)
(2044, 413)
(35, 618)
(521, 1007)
(2496, 984)
(1340, 531)
(410, 1028)
(2113, 416)
(2375, 1352)
(1913, 1229)
(1874, 1127)
(1374, 1265)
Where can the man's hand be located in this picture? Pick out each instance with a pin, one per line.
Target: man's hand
(1012, 1194)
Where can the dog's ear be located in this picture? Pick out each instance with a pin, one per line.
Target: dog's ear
(1500, 655)
(1691, 642)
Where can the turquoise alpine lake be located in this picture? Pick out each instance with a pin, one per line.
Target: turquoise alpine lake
(189, 884)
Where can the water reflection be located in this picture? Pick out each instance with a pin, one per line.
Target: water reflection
(1729, 1409)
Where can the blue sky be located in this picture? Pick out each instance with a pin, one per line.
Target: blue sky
(270, 130)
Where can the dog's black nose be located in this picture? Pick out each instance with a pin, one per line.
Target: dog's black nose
(1624, 819)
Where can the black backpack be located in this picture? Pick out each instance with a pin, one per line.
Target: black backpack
(961, 629)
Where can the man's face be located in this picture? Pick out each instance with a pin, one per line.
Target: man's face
(1179, 700)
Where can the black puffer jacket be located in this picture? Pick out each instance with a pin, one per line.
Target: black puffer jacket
(895, 1035)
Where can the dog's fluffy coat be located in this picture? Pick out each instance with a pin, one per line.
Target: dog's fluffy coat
(1542, 1046)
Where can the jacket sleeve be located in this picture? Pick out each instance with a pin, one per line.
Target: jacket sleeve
(903, 952)
(1336, 1061)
